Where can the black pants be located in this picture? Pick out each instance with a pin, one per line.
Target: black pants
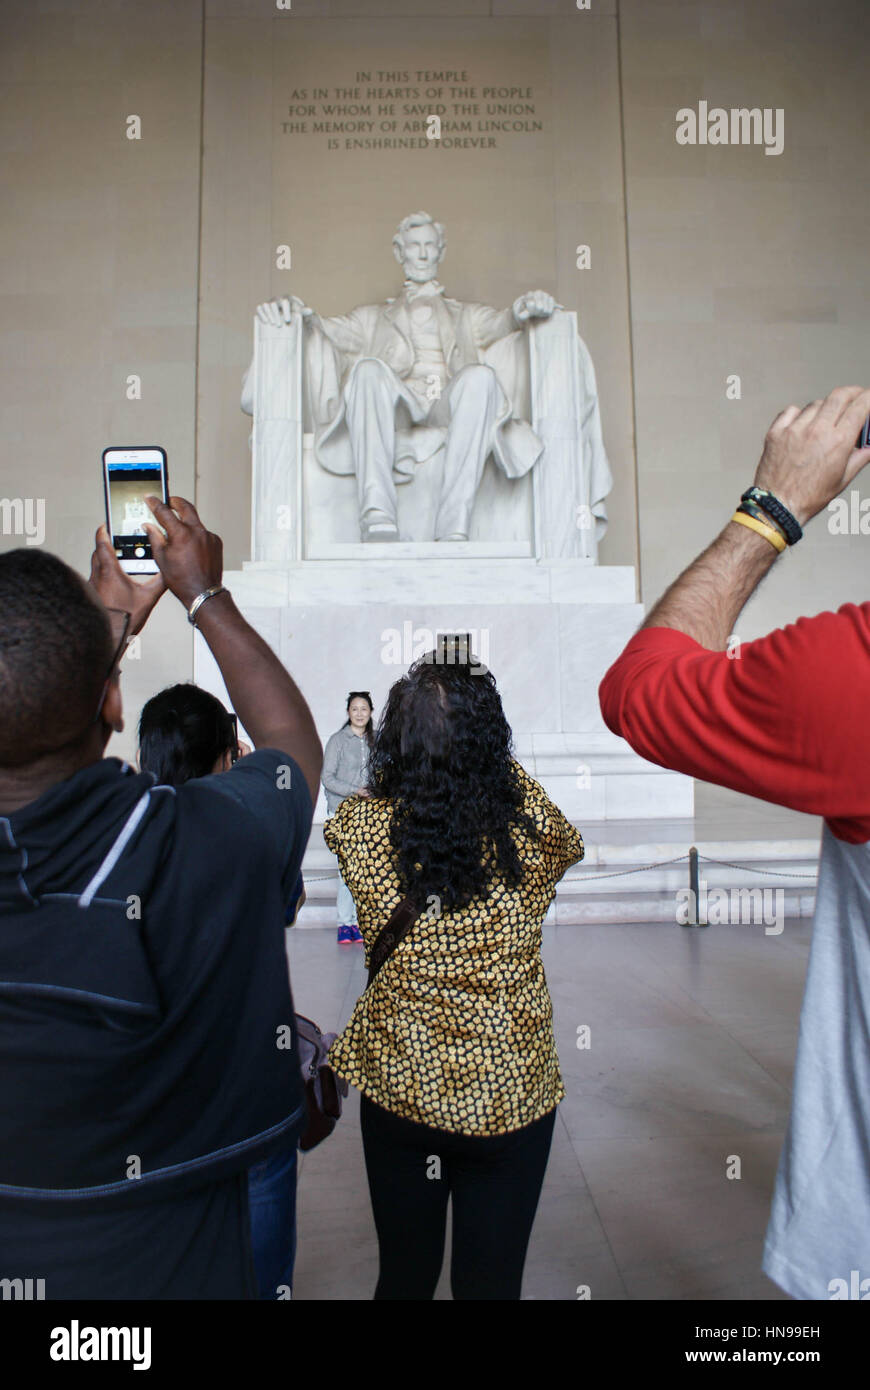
(495, 1184)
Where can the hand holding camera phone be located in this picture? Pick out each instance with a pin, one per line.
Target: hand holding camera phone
(129, 475)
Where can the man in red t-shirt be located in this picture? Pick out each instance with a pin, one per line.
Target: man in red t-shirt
(787, 720)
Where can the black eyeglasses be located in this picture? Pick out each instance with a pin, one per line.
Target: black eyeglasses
(120, 623)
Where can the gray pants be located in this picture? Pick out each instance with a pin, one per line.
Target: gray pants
(345, 907)
(469, 406)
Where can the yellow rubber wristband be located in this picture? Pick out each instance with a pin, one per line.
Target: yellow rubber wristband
(777, 540)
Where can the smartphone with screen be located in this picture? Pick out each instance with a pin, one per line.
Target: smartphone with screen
(235, 721)
(863, 439)
(130, 474)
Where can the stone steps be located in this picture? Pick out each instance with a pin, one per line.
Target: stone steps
(619, 882)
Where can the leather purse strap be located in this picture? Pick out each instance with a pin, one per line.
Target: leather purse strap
(402, 918)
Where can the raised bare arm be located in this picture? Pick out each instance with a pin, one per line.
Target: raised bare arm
(264, 695)
(809, 456)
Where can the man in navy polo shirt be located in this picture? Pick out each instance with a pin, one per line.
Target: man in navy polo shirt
(147, 1039)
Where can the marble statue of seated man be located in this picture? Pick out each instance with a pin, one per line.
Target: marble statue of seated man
(413, 366)
(136, 512)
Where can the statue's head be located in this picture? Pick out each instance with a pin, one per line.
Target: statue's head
(418, 246)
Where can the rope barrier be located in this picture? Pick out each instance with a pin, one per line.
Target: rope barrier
(775, 873)
(639, 869)
(621, 873)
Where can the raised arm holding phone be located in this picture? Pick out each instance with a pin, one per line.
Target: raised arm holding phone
(263, 694)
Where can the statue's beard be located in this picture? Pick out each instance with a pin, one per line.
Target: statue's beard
(420, 277)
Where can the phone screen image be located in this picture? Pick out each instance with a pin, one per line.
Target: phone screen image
(131, 475)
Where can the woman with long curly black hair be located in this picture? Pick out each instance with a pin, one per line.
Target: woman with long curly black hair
(452, 1043)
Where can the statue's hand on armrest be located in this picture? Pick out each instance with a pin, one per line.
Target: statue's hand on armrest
(536, 304)
(277, 313)
(281, 311)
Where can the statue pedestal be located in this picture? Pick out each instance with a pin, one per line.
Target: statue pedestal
(548, 629)
(457, 551)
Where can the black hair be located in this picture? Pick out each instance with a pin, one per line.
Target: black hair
(443, 757)
(183, 732)
(369, 729)
(55, 649)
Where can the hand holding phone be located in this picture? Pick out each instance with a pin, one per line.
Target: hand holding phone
(118, 589)
(190, 557)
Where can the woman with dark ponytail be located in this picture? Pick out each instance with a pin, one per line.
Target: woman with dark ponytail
(451, 1045)
(185, 732)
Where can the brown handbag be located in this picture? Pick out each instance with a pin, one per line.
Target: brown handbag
(324, 1089)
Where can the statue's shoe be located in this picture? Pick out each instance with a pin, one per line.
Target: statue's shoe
(380, 530)
(454, 536)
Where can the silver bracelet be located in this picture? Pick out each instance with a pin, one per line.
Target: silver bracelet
(201, 599)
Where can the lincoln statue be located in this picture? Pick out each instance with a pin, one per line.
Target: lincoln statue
(386, 380)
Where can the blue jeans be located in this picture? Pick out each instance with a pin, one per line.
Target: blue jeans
(272, 1207)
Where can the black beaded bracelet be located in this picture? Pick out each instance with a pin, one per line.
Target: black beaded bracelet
(753, 509)
(789, 526)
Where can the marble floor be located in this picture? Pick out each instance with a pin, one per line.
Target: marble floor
(693, 1034)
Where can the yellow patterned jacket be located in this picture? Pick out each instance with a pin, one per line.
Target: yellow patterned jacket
(456, 1029)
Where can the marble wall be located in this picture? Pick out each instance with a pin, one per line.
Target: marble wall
(743, 263)
(98, 270)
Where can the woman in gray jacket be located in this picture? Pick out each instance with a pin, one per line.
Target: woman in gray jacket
(345, 771)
